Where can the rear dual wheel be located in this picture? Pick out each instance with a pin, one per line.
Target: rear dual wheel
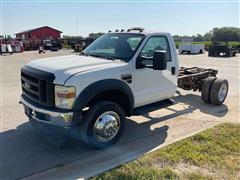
(214, 90)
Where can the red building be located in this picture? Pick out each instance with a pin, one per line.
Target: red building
(33, 38)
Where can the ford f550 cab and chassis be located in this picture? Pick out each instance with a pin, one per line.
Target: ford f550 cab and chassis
(87, 96)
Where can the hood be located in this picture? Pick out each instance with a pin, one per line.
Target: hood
(63, 67)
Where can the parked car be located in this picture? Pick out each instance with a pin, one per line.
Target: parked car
(54, 48)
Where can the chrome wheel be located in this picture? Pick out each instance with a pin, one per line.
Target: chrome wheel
(107, 126)
(222, 92)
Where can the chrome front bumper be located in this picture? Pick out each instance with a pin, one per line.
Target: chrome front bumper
(63, 119)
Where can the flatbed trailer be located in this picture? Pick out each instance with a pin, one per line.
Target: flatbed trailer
(222, 50)
(213, 90)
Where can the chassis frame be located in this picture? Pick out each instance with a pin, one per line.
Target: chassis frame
(193, 78)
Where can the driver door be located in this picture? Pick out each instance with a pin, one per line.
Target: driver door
(153, 85)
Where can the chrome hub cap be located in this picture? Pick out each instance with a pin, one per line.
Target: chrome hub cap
(222, 92)
(107, 126)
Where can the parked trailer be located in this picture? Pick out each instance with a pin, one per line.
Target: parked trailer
(222, 50)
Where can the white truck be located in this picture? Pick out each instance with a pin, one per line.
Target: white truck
(191, 48)
(88, 95)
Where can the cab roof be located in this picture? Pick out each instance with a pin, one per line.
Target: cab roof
(138, 31)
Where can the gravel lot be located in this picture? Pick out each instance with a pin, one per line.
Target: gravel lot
(23, 153)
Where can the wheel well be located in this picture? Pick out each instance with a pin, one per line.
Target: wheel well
(116, 96)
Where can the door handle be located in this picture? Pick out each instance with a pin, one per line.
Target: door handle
(173, 70)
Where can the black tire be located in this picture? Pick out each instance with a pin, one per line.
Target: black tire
(87, 127)
(210, 54)
(228, 54)
(206, 87)
(214, 93)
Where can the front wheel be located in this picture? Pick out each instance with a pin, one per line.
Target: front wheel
(103, 124)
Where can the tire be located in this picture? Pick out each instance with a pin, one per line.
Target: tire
(210, 54)
(228, 54)
(206, 87)
(88, 128)
(219, 91)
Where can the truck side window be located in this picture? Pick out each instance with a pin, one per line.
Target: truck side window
(154, 43)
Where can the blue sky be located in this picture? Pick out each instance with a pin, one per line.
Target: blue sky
(81, 18)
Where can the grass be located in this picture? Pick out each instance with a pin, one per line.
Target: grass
(212, 154)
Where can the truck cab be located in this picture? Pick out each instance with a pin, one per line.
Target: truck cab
(88, 95)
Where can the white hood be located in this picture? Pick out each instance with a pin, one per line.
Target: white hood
(64, 67)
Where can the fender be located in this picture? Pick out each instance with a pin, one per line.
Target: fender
(100, 86)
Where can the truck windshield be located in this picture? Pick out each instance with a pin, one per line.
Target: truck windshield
(115, 46)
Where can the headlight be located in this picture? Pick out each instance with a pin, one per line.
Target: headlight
(64, 96)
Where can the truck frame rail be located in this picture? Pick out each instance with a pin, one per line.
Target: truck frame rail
(193, 78)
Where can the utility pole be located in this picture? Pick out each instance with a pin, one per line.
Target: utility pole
(76, 28)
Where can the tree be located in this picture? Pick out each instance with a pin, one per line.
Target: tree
(9, 37)
(226, 34)
(198, 38)
(95, 35)
(177, 38)
(208, 36)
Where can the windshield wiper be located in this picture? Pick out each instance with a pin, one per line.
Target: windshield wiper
(96, 56)
(105, 57)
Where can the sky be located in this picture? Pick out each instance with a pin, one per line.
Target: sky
(74, 17)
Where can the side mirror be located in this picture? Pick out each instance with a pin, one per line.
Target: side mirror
(159, 60)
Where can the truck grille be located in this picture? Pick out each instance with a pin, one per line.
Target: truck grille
(38, 86)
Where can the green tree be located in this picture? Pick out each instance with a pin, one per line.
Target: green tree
(208, 36)
(226, 34)
(198, 38)
(95, 35)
